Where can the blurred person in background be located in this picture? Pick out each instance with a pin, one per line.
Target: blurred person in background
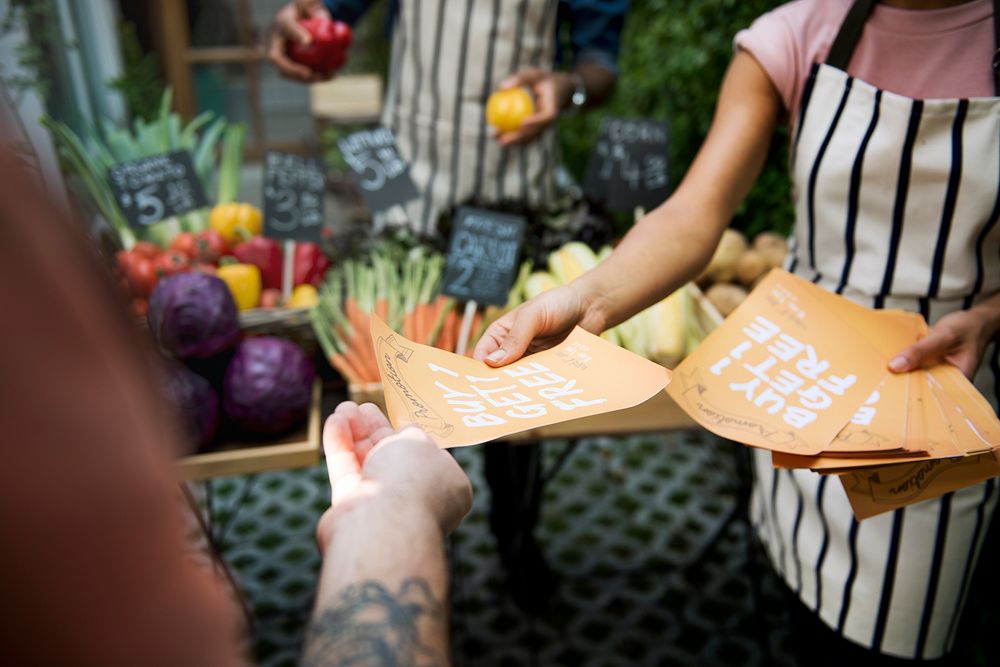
(97, 566)
(447, 56)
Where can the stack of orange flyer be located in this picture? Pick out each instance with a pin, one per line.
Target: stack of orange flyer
(803, 373)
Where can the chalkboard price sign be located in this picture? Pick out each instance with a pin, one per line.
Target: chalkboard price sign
(483, 252)
(379, 172)
(293, 196)
(628, 167)
(153, 188)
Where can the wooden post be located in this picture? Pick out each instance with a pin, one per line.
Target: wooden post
(175, 39)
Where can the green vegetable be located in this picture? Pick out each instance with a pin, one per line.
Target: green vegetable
(88, 158)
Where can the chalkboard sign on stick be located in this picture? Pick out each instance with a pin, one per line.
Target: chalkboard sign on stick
(483, 254)
(379, 172)
(628, 167)
(154, 188)
(293, 196)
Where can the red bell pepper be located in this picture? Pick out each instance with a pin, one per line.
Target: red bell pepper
(310, 264)
(265, 254)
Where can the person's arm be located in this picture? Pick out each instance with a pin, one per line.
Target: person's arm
(959, 338)
(285, 26)
(673, 243)
(382, 597)
(595, 35)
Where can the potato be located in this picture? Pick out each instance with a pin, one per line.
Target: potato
(725, 297)
(750, 266)
(772, 247)
(720, 267)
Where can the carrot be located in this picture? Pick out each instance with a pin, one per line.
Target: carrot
(440, 309)
(408, 326)
(329, 343)
(448, 337)
(382, 309)
(475, 332)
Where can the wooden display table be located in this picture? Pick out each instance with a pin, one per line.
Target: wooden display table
(299, 449)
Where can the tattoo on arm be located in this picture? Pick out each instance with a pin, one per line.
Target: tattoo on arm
(370, 626)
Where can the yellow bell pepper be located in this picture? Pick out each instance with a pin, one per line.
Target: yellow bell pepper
(304, 296)
(236, 221)
(243, 281)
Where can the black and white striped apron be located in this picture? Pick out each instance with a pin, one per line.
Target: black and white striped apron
(448, 56)
(897, 202)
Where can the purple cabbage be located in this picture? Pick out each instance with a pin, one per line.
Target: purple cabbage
(268, 385)
(193, 315)
(194, 401)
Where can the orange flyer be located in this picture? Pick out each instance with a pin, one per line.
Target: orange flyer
(460, 401)
(782, 372)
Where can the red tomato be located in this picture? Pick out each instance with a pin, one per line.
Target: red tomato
(270, 298)
(171, 262)
(186, 243)
(203, 267)
(123, 259)
(146, 249)
(142, 276)
(210, 246)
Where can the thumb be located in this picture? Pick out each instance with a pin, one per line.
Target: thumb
(300, 34)
(287, 24)
(932, 347)
(522, 329)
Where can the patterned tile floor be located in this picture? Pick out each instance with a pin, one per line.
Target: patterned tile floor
(629, 526)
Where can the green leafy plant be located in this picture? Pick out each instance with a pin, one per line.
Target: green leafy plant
(40, 20)
(88, 158)
(141, 81)
(672, 61)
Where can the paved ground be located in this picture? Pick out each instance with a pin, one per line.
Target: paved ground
(629, 526)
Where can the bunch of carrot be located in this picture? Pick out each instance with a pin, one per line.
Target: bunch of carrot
(401, 287)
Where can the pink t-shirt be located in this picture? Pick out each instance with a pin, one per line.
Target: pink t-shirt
(928, 53)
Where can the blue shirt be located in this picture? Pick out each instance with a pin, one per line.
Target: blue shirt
(595, 26)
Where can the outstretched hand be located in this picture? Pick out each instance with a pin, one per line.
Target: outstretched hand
(285, 27)
(535, 325)
(959, 338)
(380, 473)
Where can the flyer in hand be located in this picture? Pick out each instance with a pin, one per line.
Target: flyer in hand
(459, 401)
(803, 373)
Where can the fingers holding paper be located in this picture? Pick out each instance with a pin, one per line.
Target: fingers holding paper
(535, 325)
(959, 338)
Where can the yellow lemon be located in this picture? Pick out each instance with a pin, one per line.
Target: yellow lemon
(507, 109)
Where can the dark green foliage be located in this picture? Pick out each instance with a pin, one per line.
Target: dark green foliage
(672, 61)
(40, 19)
(141, 82)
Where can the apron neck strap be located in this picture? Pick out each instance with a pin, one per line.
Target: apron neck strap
(854, 23)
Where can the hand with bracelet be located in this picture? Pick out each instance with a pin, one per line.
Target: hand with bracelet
(555, 92)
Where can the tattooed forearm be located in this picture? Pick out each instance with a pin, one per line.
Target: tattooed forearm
(370, 626)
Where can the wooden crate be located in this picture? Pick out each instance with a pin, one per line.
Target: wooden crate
(298, 449)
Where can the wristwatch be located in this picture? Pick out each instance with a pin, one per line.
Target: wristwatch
(579, 97)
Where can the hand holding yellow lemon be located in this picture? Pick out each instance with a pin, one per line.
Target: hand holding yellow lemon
(506, 109)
